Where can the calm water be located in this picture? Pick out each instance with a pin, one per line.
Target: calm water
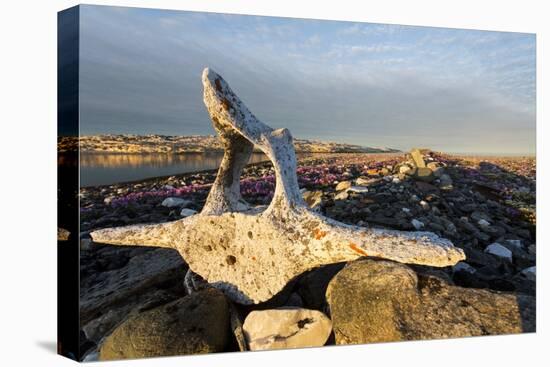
(104, 169)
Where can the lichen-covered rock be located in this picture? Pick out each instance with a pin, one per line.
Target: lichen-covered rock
(404, 169)
(418, 158)
(313, 199)
(434, 166)
(195, 324)
(421, 174)
(285, 328)
(365, 181)
(381, 301)
(344, 185)
(342, 195)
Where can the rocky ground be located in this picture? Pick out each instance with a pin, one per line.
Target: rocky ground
(486, 206)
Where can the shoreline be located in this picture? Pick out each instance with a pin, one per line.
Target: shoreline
(300, 157)
(305, 155)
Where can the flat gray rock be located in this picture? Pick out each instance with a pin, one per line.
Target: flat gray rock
(174, 202)
(498, 250)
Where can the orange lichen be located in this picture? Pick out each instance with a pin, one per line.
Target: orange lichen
(354, 247)
(318, 234)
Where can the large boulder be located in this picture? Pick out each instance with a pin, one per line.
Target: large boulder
(284, 328)
(381, 301)
(195, 324)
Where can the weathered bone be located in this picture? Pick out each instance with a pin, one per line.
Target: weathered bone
(252, 255)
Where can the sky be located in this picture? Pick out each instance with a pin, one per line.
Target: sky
(360, 83)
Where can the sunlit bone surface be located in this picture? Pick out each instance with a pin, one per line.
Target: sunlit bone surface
(249, 254)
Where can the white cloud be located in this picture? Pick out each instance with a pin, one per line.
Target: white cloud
(314, 40)
(354, 29)
(378, 48)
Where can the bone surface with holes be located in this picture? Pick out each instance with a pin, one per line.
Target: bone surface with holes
(251, 256)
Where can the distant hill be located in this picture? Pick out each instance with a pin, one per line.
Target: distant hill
(191, 144)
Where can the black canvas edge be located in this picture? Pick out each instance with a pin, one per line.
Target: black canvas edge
(68, 264)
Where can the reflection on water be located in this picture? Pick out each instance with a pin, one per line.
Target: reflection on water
(103, 169)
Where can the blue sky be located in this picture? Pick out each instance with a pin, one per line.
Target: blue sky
(361, 83)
